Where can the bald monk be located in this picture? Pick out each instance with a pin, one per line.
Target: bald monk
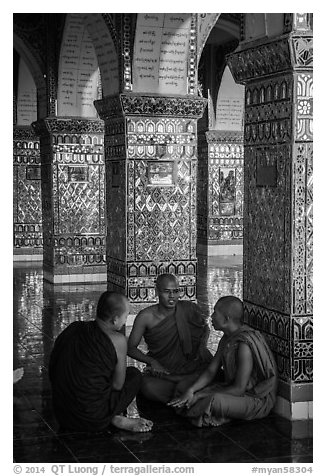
(250, 376)
(176, 336)
(91, 386)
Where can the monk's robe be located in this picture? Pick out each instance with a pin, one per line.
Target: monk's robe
(81, 369)
(213, 406)
(179, 342)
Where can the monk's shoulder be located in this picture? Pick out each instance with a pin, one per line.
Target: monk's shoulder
(147, 314)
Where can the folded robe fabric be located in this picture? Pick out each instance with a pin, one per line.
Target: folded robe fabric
(260, 395)
(81, 371)
(179, 342)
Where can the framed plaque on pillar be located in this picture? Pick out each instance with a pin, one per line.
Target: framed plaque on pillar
(161, 173)
(78, 173)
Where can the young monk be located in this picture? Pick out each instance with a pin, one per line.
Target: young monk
(249, 389)
(91, 385)
(176, 335)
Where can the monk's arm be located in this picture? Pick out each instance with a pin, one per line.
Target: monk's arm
(137, 332)
(120, 345)
(243, 372)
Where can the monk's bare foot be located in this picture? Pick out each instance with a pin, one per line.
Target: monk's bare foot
(131, 424)
(146, 422)
(219, 421)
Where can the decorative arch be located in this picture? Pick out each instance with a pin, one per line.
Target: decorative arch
(229, 105)
(78, 76)
(167, 50)
(34, 66)
(206, 22)
(104, 41)
(26, 95)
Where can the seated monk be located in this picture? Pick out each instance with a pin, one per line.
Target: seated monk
(176, 336)
(91, 386)
(250, 376)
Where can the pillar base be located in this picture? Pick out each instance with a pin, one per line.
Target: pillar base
(294, 401)
(28, 254)
(88, 276)
(294, 410)
(218, 248)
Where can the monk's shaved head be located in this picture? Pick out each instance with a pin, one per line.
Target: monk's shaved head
(111, 305)
(231, 306)
(162, 279)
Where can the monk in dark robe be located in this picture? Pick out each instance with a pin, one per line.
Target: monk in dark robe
(176, 336)
(91, 386)
(250, 377)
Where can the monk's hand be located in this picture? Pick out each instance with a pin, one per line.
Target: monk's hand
(185, 400)
(158, 369)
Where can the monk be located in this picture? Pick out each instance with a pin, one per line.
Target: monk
(91, 386)
(250, 376)
(176, 336)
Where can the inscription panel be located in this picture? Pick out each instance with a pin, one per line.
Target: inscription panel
(78, 71)
(160, 55)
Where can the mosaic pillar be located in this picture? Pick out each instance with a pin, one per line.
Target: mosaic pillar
(73, 199)
(151, 170)
(278, 206)
(220, 194)
(28, 237)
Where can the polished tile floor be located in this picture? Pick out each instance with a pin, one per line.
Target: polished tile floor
(41, 312)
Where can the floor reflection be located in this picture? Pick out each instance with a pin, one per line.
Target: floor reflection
(42, 309)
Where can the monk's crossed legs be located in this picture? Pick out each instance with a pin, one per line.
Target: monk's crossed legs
(162, 390)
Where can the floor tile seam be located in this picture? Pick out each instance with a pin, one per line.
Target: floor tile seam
(62, 442)
(129, 450)
(238, 444)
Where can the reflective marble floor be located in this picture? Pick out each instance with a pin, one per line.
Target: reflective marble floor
(41, 312)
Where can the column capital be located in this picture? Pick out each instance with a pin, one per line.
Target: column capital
(24, 133)
(73, 125)
(262, 58)
(150, 105)
(224, 136)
